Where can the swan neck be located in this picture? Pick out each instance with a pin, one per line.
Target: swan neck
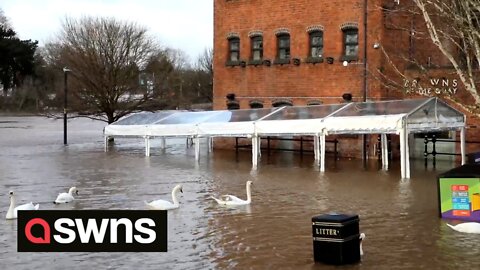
(174, 197)
(12, 204)
(249, 193)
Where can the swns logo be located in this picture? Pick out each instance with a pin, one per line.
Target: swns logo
(92, 231)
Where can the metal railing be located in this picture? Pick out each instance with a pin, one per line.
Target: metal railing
(434, 151)
(302, 140)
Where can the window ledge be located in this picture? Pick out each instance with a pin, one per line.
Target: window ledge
(255, 62)
(281, 61)
(229, 63)
(349, 58)
(314, 60)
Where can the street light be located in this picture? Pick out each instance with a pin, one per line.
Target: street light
(65, 76)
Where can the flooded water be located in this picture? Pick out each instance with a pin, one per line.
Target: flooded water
(399, 218)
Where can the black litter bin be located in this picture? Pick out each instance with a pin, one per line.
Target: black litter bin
(336, 239)
(474, 157)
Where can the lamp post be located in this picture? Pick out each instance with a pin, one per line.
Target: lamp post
(65, 77)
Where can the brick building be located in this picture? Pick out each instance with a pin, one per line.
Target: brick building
(304, 52)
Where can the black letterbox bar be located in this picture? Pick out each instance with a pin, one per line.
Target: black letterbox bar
(337, 240)
(332, 224)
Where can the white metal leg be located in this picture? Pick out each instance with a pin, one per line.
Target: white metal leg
(147, 146)
(407, 155)
(322, 152)
(462, 144)
(197, 148)
(163, 143)
(402, 153)
(106, 143)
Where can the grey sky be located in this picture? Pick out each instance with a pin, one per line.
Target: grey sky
(180, 24)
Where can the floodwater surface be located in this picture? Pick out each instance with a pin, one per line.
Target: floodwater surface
(399, 217)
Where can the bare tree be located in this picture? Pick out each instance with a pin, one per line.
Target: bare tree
(453, 26)
(203, 86)
(106, 58)
(205, 61)
(4, 20)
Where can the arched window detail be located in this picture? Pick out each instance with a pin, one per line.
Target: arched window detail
(256, 48)
(232, 102)
(316, 44)
(256, 104)
(233, 105)
(350, 41)
(233, 58)
(282, 102)
(314, 102)
(283, 49)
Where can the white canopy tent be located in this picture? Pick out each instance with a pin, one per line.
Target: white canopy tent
(400, 117)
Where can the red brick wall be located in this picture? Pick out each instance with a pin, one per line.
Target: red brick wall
(302, 83)
(388, 25)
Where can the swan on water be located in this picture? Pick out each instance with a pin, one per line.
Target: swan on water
(66, 197)
(466, 227)
(233, 200)
(12, 210)
(362, 236)
(166, 205)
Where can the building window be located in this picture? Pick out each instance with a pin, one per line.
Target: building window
(350, 42)
(283, 49)
(232, 102)
(316, 44)
(234, 49)
(233, 105)
(314, 102)
(257, 48)
(256, 104)
(282, 102)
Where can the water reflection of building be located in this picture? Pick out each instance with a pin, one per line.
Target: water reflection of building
(305, 52)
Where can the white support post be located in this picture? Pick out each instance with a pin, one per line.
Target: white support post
(462, 144)
(254, 152)
(402, 153)
(147, 146)
(197, 148)
(386, 152)
(315, 147)
(407, 155)
(322, 152)
(106, 143)
(384, 143)
(210, 144)
(259, 146)
(163, 143)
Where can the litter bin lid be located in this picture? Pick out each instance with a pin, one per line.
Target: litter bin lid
(464, 171)
(334, 218)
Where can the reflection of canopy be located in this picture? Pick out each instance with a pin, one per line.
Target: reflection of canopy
(396, 117)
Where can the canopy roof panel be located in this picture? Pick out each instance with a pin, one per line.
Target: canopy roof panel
(240, 115)
(356, 117)
(188, 118)
(380, 108)
(144, 118)
(435, 113)
(303, 112)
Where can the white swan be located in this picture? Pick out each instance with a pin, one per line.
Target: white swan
(66, 197)
(362, 236)
(233, 200)
(12, 210)
(466, 227)
(166, 205)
